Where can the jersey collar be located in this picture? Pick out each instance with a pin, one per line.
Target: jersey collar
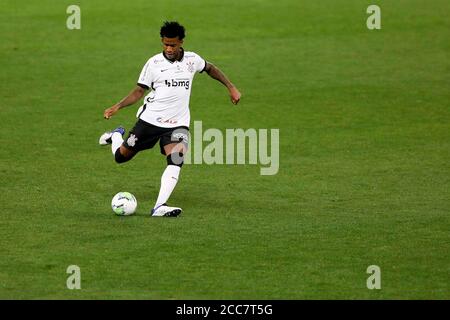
(172, 61)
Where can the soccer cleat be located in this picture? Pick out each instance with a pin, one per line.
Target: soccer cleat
(166, 211)
(106, 137)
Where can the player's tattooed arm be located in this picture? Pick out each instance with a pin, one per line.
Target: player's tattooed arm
(135, 95)
(217, 74)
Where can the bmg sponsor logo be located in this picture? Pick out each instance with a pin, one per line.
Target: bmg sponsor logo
(178, 83)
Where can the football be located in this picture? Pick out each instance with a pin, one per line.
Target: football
(124, 204)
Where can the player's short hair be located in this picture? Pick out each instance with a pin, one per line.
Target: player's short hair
(172, 29)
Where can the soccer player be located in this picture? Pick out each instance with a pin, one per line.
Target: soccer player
(164, 115)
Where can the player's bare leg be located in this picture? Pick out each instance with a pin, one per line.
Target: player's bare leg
(169, 179)
(115, 139)
(123, 154)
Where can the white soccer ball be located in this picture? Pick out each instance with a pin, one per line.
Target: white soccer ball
(124, 204)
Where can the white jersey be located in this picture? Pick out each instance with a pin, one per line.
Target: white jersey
(167, 105)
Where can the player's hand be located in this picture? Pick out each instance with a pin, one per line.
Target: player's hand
(108, 113)
(235, 95)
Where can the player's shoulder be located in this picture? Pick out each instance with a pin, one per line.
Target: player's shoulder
(191, 55)
(155, 60)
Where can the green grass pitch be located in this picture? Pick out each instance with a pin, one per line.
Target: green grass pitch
(364, 120)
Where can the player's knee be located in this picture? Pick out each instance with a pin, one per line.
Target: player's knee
(119, 157)
(175, 159)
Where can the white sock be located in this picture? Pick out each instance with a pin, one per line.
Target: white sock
(117, 141)
(169, 180)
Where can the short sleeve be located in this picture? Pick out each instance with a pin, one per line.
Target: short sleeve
(146, 76)
(200, 64)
